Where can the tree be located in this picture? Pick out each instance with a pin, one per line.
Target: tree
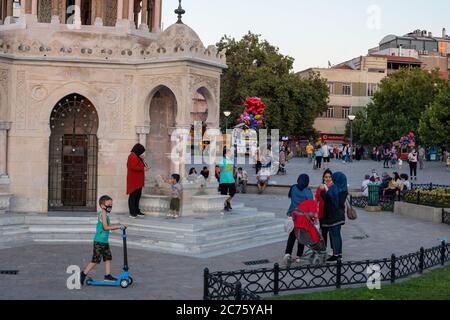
(397, 107)
(256, 68)
(435, 121)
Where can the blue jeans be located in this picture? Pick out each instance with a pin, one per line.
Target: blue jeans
(336, 239)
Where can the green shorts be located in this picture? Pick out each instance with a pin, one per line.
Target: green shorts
(175, 204)
(101, 250)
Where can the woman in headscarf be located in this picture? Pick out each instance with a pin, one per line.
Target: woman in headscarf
(136, 179)
(298, 193)
(328, 181)
(334, 211)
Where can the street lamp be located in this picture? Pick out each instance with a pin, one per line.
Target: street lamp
(351, 118)
(227, 114)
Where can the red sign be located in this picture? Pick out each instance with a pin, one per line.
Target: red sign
(332, 137)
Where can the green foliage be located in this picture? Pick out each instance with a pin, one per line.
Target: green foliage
(432, 285)
(256, 68)
(435, 121)
(397, 107)
(435, 198)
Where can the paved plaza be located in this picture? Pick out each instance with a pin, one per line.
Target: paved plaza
(42, 268)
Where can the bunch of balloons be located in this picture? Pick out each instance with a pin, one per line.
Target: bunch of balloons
(253, 115)
(409, 139)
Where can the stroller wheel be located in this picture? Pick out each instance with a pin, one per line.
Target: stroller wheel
(316, 260)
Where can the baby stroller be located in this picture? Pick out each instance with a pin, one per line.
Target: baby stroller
(306, 227)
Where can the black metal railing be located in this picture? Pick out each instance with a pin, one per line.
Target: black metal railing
(428, 186)
(249, 284)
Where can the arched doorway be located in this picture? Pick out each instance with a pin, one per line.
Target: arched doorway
(163, 111)
(199, 116)
(72, 182)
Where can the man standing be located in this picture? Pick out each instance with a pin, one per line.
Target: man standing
(422, 155)
(326, 155)
(310, 152)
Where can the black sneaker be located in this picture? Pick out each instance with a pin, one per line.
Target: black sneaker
(110, 278)
(141, 214)
(333, 259)
(82, 278)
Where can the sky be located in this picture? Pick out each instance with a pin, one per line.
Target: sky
(312, 32)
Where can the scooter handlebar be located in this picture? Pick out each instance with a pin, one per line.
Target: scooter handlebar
(123, 228)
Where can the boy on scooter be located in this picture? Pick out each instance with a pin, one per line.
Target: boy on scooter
(101, 241)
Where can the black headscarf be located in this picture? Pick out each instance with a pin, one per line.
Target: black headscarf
(302, 184)
(138, 149)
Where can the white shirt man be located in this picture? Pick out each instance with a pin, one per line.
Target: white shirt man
(365, 186)
(326, 151)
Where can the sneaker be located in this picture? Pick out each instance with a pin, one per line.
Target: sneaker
(141, 214)
(333, 259)
(287, 260)
(82, 278)
(110, 278)
(133, 217)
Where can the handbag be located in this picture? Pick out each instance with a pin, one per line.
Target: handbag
(289, 225)
(351, 212)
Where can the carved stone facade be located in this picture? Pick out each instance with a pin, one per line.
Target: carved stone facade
(141, 86)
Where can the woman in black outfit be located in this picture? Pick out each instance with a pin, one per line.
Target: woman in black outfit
(334, 211)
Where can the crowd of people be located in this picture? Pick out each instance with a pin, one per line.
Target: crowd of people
(390, 186)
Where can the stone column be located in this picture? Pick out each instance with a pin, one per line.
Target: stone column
(144, 16)
(34, 7)
(55, 12)
(4, 128)
(156, 21)
(23, 7)
(9, 9)
(131, 13)
(119, 9)
(97, 14)
(77, 21)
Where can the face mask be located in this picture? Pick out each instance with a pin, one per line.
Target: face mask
(108, 209)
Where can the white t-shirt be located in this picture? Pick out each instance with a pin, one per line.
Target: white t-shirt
(326, 151)
(365, 188)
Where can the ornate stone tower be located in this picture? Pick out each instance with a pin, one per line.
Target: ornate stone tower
(80, 83)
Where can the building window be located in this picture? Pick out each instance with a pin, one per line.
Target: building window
(347, 89)
(330, 87)
(372, 89)
(329, 113)
(345, 112)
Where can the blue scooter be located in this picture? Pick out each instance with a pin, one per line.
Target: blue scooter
(124, 279)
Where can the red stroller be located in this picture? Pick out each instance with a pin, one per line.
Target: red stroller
(306, 227)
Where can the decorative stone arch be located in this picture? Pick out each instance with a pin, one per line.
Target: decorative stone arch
(144, 110)
(211, 101)
(73, 155)
(65, 90)
(162, 112)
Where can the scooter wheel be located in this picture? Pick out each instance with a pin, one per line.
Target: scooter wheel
(124, 284)
(130, 281)
(89, 282)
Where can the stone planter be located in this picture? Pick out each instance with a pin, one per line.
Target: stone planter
(5, 199)
(208, 204)
(154, 205)
(423, 213)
